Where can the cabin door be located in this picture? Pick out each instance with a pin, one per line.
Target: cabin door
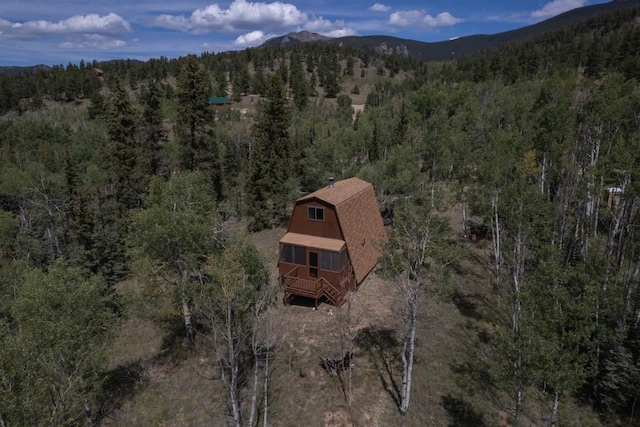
(313, 264)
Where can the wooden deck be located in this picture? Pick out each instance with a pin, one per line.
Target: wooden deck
(314, 289)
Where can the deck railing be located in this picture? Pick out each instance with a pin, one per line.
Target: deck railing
(315, 288)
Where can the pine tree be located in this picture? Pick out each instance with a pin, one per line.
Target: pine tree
(195, 120)
(270, 160)
(298, 82)
(154, 134)
(122, 151)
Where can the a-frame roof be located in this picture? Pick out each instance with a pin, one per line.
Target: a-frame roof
(359, 219)
(340, 192)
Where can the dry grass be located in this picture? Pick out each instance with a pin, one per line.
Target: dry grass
(180, 389)
(177, 389)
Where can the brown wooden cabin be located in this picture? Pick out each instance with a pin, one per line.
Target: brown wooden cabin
(332, 242)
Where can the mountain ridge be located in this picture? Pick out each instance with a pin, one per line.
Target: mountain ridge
(461, 46)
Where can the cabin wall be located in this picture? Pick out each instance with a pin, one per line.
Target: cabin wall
(328, 227)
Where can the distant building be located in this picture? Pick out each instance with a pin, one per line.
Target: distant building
(218, 101)
(615, 195)
(332, 242)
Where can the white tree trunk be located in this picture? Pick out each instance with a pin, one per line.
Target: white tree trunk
(464, 216)
(186, 312)
(554, 411)
(254, 394)
(408, 348)
(233, 369)
(265, 409)
(543, 174)
(517, 272)
(496, 236)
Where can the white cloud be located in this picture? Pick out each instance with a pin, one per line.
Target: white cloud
(444, 19)
(556, 7)
(329, 28)
(90, 31)
(108, 25)
(241, 15)
(379, 8)
(422, 19)
(405, 18)
(254, 38)
(103, 44)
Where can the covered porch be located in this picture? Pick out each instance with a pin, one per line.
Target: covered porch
(314, 267)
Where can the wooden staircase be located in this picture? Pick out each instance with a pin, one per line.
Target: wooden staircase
(314, 289)
(333, 294)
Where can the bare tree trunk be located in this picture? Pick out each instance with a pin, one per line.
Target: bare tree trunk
(186, 311)
(254, 394)
(233, 368)
(464, 216)
(88, 414)
(265, 409)
(408, 348)
(630, 287)
(543, 174)
(554, 411)
(517, 272)
(496, 236)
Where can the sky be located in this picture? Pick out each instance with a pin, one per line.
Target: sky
(54, 32)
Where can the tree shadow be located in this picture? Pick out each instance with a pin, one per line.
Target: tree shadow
(303, 301)
(119, 385)
(382, 346)
(462, 413)
(174, 347)
(467, 304)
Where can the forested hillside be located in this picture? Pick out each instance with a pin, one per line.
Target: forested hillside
(139, 229)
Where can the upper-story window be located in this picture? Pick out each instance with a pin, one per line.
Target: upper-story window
(315, 213)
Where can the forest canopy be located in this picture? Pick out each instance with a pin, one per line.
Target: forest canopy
(130, 177)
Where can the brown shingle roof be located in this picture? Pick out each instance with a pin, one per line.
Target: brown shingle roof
(360, 221)
(340, 192)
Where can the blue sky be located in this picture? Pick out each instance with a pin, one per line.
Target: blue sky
(62, 31)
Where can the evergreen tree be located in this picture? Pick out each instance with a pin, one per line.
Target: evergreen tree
(299, 84)
(154, 133)
(331, 85)
(123, 151)
(195, 120)
(270, 160)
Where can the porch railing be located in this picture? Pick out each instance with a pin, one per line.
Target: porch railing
(315, 289)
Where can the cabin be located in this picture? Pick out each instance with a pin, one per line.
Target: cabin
(614, 197)
(218, 102)
(332, 242)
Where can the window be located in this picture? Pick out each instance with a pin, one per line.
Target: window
(343, 259)
(316, 214)
(330, 261)
(300, 255)
(293, 254)
(335, 266)
(286, 253)
(325, 260)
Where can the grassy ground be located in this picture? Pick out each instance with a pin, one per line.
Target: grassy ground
(172, 387)
(158, 383)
